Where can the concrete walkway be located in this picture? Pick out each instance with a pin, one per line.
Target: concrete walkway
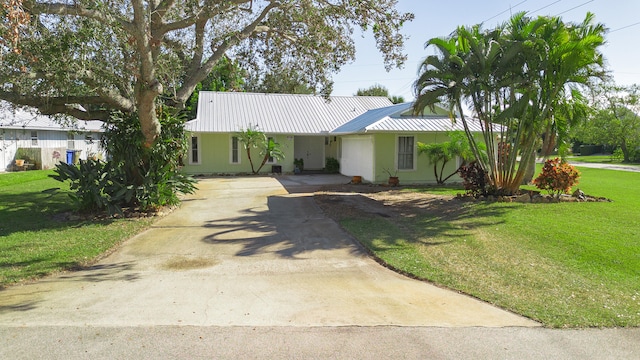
(247, 269)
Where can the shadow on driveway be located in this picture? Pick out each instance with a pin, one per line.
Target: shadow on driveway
(290, 227)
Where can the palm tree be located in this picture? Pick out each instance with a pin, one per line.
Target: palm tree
(251, 139)
(442, 153)
(519, 76)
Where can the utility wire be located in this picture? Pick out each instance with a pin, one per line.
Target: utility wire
(624, 27)
(544, 7)
(575, 7)
(509, 9)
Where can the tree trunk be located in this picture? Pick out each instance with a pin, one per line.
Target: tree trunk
(250, 160)
(149, 122)
(529, 171)
(625, 152)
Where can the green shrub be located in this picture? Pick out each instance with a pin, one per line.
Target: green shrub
(135, 176)
(557, 177)
(94, 186)
(617, 155)
(332, 166)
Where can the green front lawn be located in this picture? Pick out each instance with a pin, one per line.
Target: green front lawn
(565, 264)
(35, 242)
(598, 159)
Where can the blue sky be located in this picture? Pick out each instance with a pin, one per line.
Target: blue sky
(440, 18)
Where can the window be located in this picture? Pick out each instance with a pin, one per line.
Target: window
(88, 139)
(34, 138)
(71, 144)
(195, 150)
(235, 150)
(405, 153)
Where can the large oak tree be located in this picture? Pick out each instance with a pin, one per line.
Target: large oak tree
(87, 58)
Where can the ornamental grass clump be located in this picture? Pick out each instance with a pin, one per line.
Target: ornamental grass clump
(557, 177)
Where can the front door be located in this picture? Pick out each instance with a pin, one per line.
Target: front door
(311, 150)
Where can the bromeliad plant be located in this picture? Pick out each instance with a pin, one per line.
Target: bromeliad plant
(557, 177)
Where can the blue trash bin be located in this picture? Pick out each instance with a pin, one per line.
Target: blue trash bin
(69, 156)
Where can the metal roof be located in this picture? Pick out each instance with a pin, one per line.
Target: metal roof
(28, 119)
(226, 112)
(398, 118)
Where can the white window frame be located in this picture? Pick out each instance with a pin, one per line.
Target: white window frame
(71, 141)
(198, 150)
(238, 149)
(414, 154)
(34, 139)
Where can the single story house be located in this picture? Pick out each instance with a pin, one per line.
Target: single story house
(367, 135)
(301, 124)
(44, 141)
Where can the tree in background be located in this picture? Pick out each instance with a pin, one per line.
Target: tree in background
(227, 75)
(89, 58)
(280, 81)
(615, 122)
(520, 79)
(379, 90)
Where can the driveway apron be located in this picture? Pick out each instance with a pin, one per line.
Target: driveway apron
(243, 252)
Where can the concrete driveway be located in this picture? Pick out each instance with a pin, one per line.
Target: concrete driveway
(247, 270)
(244, 252)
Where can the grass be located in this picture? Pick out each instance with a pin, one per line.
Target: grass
(565, 264)
(598, 159)
(35, 244)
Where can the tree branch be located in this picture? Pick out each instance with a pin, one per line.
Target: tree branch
(60, 105)
(199, 72)
(77, 10)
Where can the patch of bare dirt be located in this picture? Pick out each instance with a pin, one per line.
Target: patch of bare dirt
(366, 201)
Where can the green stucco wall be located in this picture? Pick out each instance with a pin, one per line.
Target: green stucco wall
(215, 156)
(385, 145)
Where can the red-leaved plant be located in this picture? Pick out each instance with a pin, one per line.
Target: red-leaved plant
(557, 177)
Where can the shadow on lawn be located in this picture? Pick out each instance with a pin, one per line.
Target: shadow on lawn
(394, 218)
(290, 227)
(36, 210)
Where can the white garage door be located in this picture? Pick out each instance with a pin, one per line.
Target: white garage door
(357, 157)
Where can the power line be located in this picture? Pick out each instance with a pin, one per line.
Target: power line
(509, 9)
(544, 7)
(624, 27)
(575, 7)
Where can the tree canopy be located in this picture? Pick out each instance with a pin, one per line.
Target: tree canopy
(615, 121)
(521, 80)
(87, 58)
(379, 90)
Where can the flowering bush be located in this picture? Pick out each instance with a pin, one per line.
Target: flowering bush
(557, 177)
